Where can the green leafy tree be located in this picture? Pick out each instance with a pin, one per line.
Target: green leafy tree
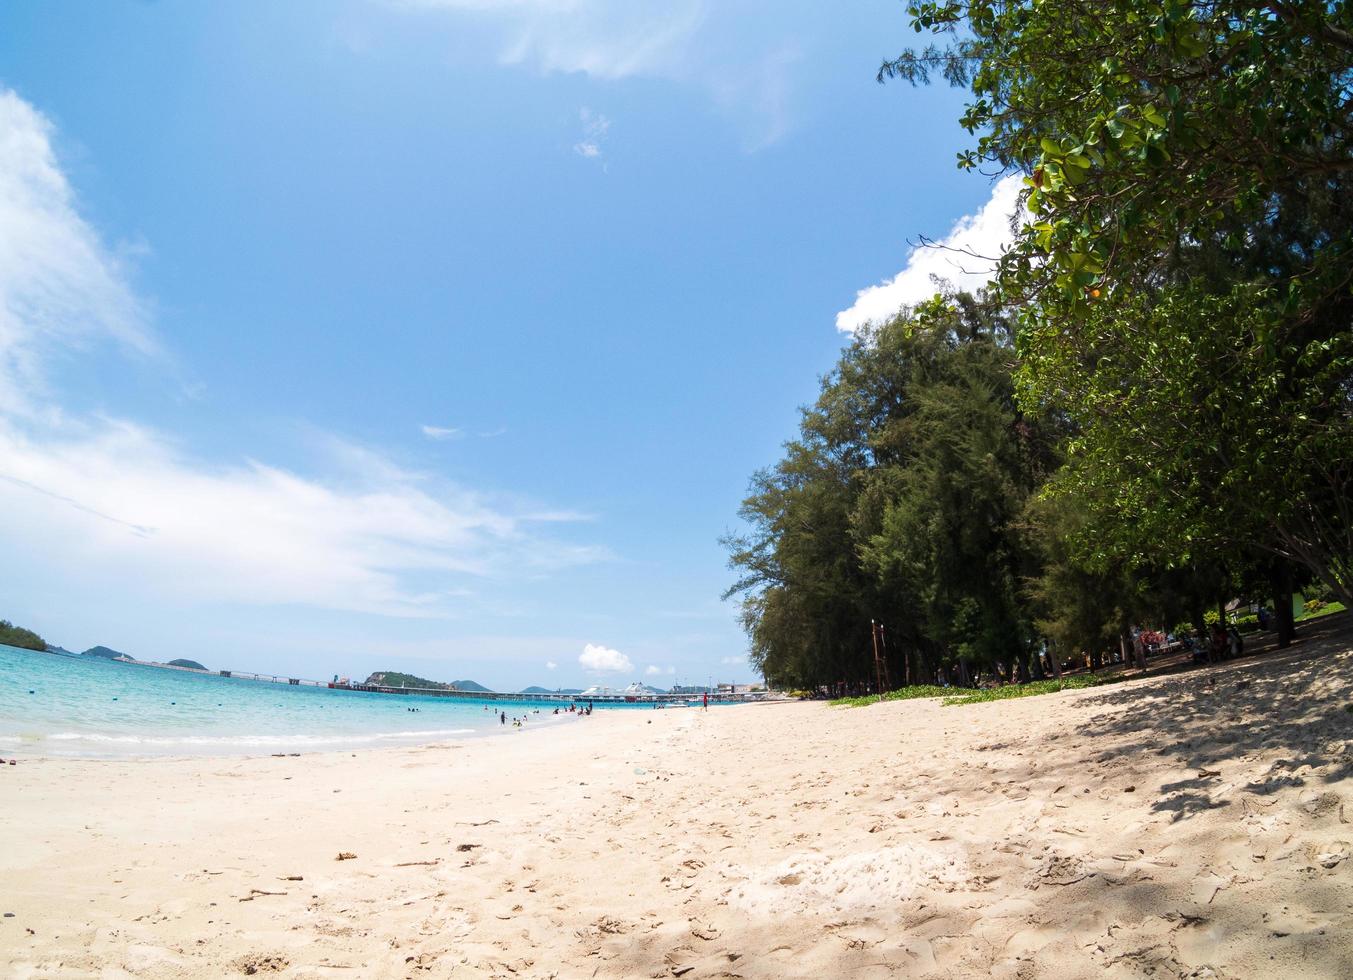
(17, 636)
(897, 502)
(1184, 269)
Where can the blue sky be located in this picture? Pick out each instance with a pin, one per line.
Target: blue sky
(435, 336)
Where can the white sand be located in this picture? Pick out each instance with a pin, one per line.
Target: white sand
(1072, 835)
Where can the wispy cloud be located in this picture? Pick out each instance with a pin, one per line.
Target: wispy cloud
(604, 38)
(595, 128)
(604, 660)
(61, 287)
(677, 40)
(734, 661)
(550, 665)
(130, 503)
(440, 433)
(964, 259)
(653, 670)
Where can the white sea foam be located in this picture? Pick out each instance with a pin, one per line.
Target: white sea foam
(258, 740)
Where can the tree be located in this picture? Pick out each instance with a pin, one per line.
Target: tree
(897, 502)
(1183, 276)
(17, 636)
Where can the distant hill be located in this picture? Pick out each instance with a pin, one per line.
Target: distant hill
(187, 663)
(393, 678)
(550, 690)
(104, 652)
(17, 636)
(61, 650)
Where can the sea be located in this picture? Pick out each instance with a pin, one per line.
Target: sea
(57, 705)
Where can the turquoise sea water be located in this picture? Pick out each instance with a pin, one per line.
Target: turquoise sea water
(56, 705)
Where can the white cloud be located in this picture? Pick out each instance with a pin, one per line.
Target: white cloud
(691, 42)
(604, 660)
(653, 670)
(965, 258)
(441, 433)
(550, 665)
(595, 128)
(112, 495)
(603, 38)
(61, 288)
(734, 661)
(116, 500)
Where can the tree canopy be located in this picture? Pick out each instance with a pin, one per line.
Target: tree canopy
(1153, 405)
(1181, 276)
(17, 636)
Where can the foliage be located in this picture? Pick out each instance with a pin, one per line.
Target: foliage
(17, 636)
(897, 694)
(1078, 605)
(1183, 271)
(897, 502)
(393, 678)
(106, 653)
(1141, 123)
(1000, 693)
(1321, 609)
(1007, 691)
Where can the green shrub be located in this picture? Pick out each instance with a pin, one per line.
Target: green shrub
(961, 695)
(901, 694)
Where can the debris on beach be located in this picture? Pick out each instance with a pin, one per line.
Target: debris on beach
(256, 893)
(345, 856)
(254, 963)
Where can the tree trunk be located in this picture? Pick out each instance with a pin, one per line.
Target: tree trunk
(1200, 627)
(1282, 606)
(1054, 661)
(1138, 646)
(963, 673)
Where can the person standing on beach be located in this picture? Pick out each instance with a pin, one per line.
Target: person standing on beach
(704, 698)
(502, 718)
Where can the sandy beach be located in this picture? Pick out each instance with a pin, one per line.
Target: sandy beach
(1195, 825)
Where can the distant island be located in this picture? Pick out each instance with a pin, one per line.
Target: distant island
(107, 653)
(393, 678)
(17, 636)
(192, 664)
(536, 689)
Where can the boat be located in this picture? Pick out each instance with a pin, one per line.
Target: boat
(634, 694)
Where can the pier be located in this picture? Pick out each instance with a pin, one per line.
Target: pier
(615, 698)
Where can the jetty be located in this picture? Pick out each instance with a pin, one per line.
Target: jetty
(611, 697)
(633, 695)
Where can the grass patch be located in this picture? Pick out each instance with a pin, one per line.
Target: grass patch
(1032, 689)
(1324, 609)
(959, 695)
(901, 694)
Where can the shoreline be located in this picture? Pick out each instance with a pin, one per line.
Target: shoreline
(1175, 825)
(226, 748)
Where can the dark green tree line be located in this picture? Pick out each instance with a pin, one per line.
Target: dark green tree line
(899, 501)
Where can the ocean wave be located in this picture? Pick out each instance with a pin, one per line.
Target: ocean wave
(262, 741)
